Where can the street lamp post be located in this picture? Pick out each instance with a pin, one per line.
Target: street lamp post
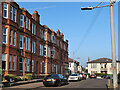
(115, 84)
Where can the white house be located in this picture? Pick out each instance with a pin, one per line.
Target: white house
(102, 65)
(73, 66)
(79, 68)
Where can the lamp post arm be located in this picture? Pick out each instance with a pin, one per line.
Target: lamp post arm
(100, 6)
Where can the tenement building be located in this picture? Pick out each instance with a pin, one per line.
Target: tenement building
(28, 46)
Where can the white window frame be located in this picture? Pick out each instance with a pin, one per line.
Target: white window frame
(5, 34)
(21, 47)
(5, 9)
(21, 20)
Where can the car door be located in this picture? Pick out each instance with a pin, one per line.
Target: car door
(62, 79)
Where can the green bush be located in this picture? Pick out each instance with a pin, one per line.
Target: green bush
(29, 76)
(24, 78)
(9, 77)
(100, 74)
(17, 78)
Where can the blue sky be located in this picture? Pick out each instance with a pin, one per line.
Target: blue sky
(88, 32)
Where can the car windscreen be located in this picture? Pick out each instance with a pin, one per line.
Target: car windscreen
(54, 75)
(74, 75)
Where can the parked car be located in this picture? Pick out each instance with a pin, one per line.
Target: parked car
(108, 76)
(55, 80)
(74, 77)
(103, 76)
(83, 76)
(92, 76)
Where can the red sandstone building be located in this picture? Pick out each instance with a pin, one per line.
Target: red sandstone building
(28, 46)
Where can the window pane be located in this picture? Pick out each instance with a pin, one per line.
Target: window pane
(13, 62)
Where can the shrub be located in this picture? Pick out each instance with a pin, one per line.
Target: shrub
(23, 78)
(17, 78)
(29, 76)
(9, 77)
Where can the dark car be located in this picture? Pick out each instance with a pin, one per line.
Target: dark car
(103, 76)
(92, 76)
(83, 76)
(55, 80)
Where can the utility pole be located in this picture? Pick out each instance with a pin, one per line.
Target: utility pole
(74, 61)
(115, 83)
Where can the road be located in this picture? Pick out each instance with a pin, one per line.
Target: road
(89, 83)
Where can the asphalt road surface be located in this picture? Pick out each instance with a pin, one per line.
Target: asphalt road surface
(88, 83)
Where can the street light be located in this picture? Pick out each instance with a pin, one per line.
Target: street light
(115, 84)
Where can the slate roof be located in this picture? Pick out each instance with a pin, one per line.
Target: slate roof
(102, 60)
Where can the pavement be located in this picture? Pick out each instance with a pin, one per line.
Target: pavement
(88, 83)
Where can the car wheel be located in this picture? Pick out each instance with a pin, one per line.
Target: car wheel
(66, 83)
(45, 85)
(59, 84)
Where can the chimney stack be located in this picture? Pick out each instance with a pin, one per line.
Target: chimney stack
(36, 16)
(88, 59)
